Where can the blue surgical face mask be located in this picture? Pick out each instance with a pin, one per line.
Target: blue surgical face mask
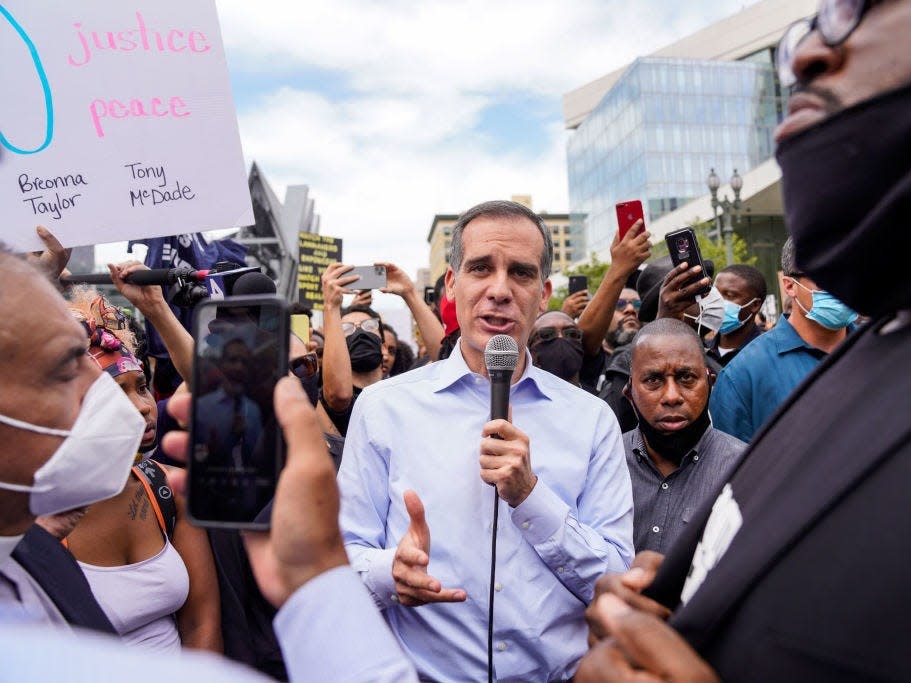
(826, 310)
(732, 321)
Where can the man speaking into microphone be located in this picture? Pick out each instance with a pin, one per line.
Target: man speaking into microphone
(422, 457)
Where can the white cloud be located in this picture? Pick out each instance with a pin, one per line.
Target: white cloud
(401, 144)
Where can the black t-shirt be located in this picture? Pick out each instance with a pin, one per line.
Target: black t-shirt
(340, 418)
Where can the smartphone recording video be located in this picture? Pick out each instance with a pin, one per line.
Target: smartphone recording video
(682, 245)
(371, 277)
(236, 448)
(577, 283)
(627, 215)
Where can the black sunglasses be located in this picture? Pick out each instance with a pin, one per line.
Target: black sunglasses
(545, 334)
(304, 366)
(623, 303)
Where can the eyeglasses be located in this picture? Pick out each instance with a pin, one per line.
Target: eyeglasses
(368, 325)
(623, 303)
(546, 334)
(304, 366)
(835, 21)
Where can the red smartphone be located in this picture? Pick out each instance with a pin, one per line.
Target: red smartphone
(627, 214)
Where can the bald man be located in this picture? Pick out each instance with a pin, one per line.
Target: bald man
(676, 458)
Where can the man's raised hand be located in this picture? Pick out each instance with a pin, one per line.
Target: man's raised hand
(413, 585)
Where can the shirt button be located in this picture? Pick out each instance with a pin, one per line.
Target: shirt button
(656, 529)
(498, 587)
(394, 597)
(525, 525)
(559, 570)
(501, 646)
(695, 458)
(664, 486)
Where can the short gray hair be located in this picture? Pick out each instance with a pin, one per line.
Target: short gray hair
(501, 209)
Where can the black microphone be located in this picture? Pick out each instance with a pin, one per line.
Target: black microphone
(501, 356)
(153, 276)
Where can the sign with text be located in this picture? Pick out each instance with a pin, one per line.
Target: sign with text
(116, 122)
(316, 253)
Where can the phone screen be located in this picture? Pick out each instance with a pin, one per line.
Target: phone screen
(683, 246)
(235, 442)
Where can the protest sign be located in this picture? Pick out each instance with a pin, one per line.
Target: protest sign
(116, 122)
(316, 253)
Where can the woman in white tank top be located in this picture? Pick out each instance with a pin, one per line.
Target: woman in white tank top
(157, 594)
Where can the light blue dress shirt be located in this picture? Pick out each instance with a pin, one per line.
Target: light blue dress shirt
(422, 431)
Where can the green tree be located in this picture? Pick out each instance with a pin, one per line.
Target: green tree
(594, 270)
(712, 248)
(709, 247)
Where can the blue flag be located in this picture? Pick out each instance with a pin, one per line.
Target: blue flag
(191, 251)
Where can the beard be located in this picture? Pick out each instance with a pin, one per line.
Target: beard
(620, 336)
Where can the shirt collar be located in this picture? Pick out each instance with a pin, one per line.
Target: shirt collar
(454, 369)
(7, 546)
(787, 339)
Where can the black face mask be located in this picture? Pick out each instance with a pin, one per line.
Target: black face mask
(365, 350)
(311, 387)
(559, 356)
(677, 444)
(847, 194)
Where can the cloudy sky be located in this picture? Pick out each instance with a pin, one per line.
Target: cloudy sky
(393, 111)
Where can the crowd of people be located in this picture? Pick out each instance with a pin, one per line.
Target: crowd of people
(678, 493)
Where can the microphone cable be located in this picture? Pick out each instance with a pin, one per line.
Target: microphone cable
(501, 355)
(493, 573)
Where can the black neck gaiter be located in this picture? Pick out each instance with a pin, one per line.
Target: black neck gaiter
(675, 445)
(561, 357)
(847, 194)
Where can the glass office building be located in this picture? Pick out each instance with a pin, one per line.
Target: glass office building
(657, 132)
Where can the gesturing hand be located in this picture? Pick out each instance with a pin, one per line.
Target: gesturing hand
(506, 461)
(413, 585)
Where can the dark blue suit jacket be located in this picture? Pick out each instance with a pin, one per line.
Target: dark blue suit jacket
(56, 570)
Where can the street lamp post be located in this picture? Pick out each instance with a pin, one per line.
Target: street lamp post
(730, 210)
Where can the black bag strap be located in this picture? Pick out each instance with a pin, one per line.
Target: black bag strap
(152, 476)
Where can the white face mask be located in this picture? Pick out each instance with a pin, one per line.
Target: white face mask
(94, 460)
(711, 312)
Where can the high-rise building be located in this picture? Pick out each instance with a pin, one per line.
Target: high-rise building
(653, 129)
